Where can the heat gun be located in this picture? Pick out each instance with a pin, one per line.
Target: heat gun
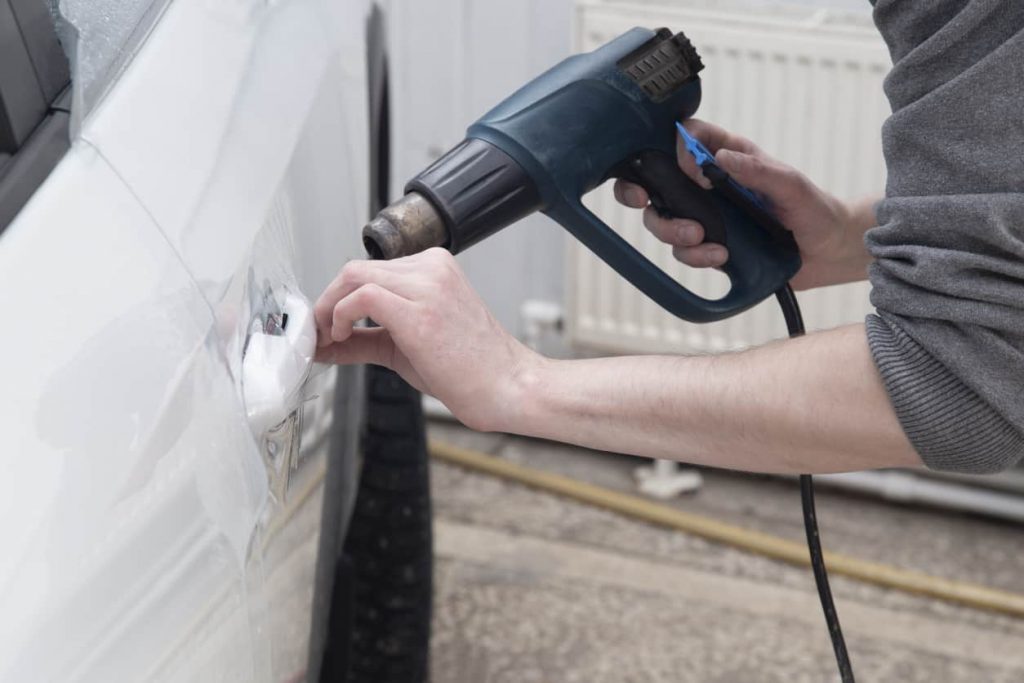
(607, 114)
(611, 113)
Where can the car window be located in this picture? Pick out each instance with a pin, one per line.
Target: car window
(99, 38)
(34, 79)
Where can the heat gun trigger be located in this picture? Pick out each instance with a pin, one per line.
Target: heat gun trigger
(735, 193)
(673, 194)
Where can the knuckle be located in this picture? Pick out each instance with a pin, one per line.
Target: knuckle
(778, 168)
(439, 255)
(691, 233)
(652, 221)
(754, 164)
(681, 233)
(432, 288)
(352, 271)
(322, 310)
(794, 177)
(450, 274)
(426, 323)
(790, 183)
(744, 144)
(438, 276)
(369, 293)
(713, 257)
(666, 230)
(443, 268)
(338, 314)
(692, 257)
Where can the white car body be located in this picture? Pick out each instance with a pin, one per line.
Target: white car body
(142, 534)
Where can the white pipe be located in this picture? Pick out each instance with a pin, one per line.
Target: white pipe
(539, 317)
(1011, 481)
(435, 409)
(908, 488)
(667, 479)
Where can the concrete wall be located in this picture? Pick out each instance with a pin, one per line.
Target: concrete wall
(451, 61)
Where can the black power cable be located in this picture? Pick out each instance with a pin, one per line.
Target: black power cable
(795, 326)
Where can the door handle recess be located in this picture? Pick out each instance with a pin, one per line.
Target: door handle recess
(276, 362)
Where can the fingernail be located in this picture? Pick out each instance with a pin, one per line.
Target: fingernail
(634, 196)
(717, 255)
(702, 179)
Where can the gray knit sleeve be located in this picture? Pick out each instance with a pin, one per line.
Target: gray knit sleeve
(948, 275)
(952, 427)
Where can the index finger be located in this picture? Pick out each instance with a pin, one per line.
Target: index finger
(713, 137)
(353, 275)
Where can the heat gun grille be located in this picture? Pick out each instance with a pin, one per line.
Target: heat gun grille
(663, 64)
(812, 96)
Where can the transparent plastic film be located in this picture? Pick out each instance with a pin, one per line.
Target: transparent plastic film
(280, 335)
(278, 356)
(140, 485)
(269, 325)
(99, 38)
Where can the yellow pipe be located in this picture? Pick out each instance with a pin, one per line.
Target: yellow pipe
(964, 593)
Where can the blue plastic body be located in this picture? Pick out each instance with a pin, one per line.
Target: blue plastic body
(570, 127)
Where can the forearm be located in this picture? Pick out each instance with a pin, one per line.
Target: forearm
(814, 404)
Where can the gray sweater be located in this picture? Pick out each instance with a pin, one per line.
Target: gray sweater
(948, 275)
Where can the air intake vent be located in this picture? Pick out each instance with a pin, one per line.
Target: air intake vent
(662, 64)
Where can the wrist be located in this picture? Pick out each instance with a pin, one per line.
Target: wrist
(842, 257)
(519, 396)
(859, 217)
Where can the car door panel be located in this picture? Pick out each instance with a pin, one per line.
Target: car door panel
(132, 508)
(232, 146)
(243, 130)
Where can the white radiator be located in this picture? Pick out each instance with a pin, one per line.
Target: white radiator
(806, 85)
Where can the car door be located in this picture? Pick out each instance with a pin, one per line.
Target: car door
(160, 527)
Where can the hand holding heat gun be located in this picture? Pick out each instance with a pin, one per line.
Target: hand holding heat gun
(611, 113)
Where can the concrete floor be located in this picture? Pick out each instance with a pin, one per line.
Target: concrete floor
(534, 588)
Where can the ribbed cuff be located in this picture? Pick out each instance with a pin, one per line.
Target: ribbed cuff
(948, 424)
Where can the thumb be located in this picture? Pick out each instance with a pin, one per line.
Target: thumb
(771, 178)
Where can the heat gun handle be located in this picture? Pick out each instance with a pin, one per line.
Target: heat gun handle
(753, 272)
(672, 193)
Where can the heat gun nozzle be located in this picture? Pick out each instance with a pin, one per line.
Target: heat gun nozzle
(408, 226)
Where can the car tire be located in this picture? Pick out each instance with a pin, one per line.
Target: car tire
(387, 557)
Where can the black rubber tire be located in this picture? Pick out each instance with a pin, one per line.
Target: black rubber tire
(389, 546)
